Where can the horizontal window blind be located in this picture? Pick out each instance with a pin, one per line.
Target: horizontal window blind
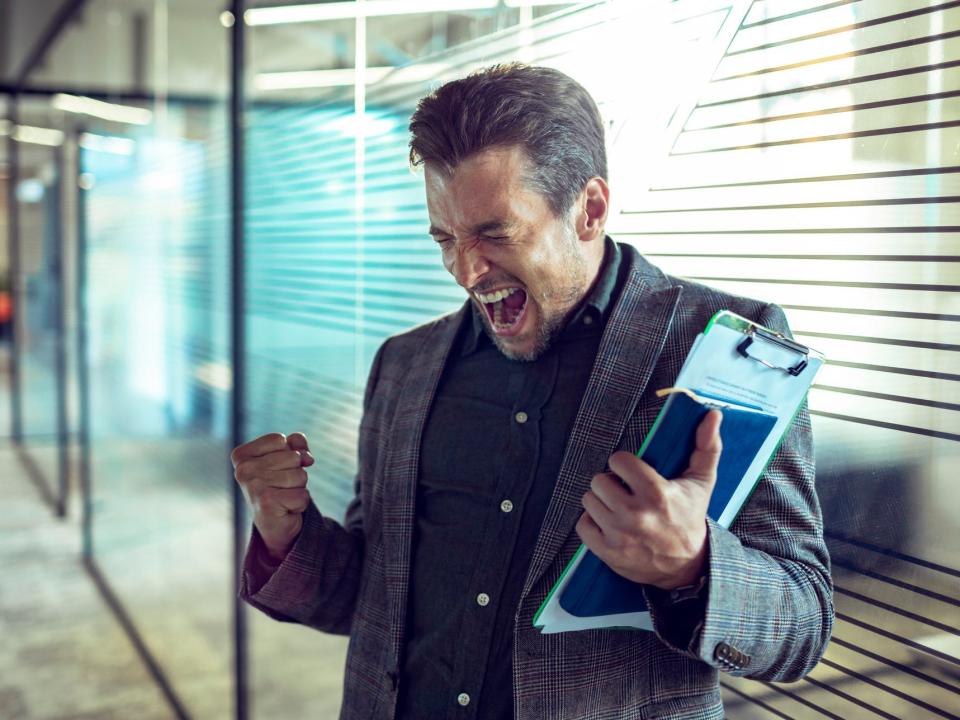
(818, 168)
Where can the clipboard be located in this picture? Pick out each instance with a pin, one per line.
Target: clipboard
(742, 361)
(733, 363)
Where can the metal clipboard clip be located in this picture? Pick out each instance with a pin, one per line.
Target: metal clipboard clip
(775, 338)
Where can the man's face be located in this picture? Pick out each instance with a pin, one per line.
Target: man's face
(524, 268)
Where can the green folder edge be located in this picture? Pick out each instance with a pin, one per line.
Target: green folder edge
(729, 319)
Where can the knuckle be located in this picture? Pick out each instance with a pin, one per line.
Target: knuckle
(657, 498)
(641, 523)
(597, 482)
(295, 478)
(240, 472)
(616, 541)
(263, 503)
(628, 521)
(581, 529)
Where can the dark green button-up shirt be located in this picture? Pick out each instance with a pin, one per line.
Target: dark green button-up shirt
(491, 453)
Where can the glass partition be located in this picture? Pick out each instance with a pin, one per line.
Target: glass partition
(38, 195)
(159, 381)
(798, 154)
(6, 305)
(803, 153)
(813, 169)
(153, 178)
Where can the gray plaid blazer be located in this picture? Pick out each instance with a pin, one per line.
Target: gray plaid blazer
(769, 609)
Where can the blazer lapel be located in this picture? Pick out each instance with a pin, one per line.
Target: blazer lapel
(632, 341)
(403, 461)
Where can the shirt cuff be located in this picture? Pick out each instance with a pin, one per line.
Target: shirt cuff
(260, 567)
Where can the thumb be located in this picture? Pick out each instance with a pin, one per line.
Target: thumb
(706, 456)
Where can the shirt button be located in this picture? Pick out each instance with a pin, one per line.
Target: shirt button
(521, 417)
(588, 319)
(463, 699)
(483, 599)
(506, 506)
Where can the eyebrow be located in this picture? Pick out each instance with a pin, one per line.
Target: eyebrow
(490, 226)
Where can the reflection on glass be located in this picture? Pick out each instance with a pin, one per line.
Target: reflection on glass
(157, 323)
(38, 195)
(802, 163)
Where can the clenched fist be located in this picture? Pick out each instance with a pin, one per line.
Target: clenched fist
(271, 473)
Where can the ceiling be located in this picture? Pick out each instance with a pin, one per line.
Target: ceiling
(181, 47)
(137, 52)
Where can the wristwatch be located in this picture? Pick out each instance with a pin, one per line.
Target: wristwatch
(687, 592)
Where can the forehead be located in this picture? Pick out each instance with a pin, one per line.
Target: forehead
(490, 185)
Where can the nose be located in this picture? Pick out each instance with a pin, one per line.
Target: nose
(468, 264)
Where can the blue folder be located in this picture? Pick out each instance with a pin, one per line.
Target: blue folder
(595, 589)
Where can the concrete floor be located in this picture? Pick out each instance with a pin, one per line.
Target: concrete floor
(63, 653)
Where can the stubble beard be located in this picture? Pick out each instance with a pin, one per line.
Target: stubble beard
(565, 297)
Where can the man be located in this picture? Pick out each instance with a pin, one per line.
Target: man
(496, 438)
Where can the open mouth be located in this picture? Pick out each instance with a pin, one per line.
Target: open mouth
(505, 309)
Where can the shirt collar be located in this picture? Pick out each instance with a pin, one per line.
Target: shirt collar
(596, 305)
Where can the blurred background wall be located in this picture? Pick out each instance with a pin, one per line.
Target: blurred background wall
(805, 152)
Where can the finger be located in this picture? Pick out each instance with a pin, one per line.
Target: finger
(609, 490)
(271, 442)
(599, 512)
(706, 456)
(280, 460)
(641, 479)
(281, 502)
(249, 473)
(297, 441)
(296, 478)
(590, 533)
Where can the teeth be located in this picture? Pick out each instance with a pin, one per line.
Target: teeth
(496, 296)
(498, 313)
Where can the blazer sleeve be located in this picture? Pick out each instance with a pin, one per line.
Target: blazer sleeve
(317, 582)
(769, 604)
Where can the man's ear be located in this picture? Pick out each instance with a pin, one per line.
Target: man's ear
(592, 208)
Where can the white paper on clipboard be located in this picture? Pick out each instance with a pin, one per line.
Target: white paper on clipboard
(716, 367)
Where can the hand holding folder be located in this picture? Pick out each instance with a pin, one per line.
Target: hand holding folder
(758, 380)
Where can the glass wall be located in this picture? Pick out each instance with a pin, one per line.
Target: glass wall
(150, 128)
(814, 169)
(156, 244)
(796, 153)
(802, 152)
(333, 269)
(38, 207)
(6, 307)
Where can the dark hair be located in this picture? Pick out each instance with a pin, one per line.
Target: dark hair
(546, 112)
